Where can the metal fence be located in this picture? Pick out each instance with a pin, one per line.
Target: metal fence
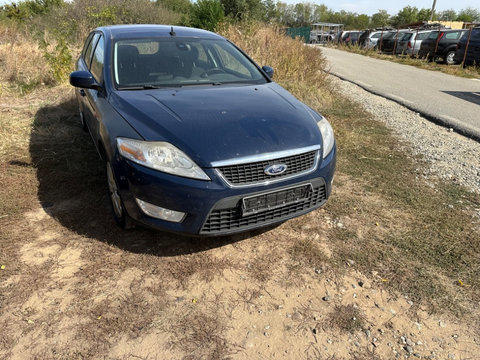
(303, 32)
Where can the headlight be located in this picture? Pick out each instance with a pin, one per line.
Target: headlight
(327, 136)
(161, 156)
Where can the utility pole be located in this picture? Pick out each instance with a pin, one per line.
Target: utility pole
(433, 9)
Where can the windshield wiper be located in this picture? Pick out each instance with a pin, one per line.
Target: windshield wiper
(202, 84)
(141, 87)
(150, 86)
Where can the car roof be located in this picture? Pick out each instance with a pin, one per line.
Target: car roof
(140, 31)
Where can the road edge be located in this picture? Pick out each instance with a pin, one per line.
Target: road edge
(443, 121)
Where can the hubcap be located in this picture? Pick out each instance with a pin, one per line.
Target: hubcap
(112, 189)
(450, 58)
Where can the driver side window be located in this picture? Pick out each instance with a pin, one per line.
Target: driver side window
(97, 61)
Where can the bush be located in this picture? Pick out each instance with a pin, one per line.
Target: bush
(24, 10)
(58, 56)
(206, 14)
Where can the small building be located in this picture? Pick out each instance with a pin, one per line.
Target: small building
(322, 33)
(450, 24)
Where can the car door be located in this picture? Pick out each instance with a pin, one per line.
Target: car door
(474, 47)
(450, 40)
(84, 64)
(96, 99)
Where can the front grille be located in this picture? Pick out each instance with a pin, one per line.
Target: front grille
(230, 220)
(244, 174)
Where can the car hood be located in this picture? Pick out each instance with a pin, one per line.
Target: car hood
(214, 123)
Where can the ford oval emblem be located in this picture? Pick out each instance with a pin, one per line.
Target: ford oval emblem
(275, 169)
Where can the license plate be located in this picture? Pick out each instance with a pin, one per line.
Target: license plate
(269, 201)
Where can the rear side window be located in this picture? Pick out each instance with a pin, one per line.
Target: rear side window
(89, 51)
(433, 35)
(376, 36)
(407, 36)
(97, 61)
(422, 36)
(475, 34)
(452, 35)
(389, 35)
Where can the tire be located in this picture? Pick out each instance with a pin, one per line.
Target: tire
(118, 209)
(450, 58)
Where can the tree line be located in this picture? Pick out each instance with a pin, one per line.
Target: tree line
(208, 13)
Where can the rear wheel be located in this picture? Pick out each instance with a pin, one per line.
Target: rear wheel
(450, 58)
(119, 213)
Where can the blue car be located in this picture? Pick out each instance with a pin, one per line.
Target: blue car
(197, 138)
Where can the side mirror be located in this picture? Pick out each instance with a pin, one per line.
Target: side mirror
(268, 70)
(83, 79)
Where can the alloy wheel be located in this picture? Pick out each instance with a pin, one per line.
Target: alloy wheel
(450, 59)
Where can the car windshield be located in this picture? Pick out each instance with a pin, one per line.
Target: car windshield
(167, 62)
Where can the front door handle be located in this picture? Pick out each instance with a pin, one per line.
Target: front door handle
(82, 92)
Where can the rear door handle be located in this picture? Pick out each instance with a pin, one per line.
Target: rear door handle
(82, 92)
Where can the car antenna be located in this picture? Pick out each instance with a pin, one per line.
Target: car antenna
(172, 33)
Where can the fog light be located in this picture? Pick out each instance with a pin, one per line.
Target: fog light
(159, 212)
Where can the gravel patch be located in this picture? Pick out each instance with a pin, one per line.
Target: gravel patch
(450, 156)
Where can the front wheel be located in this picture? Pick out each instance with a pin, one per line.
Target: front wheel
(119, 213)
(450, 58)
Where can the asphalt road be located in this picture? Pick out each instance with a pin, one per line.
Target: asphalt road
(446, 99)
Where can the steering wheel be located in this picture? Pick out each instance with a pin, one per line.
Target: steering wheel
(212, 71)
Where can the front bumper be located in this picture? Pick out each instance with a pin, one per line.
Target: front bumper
(212, 207)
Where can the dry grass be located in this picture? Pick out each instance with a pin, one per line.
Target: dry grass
(346, 318)
(269, 46)
(22, 63)
(410, 236)
(298, 68)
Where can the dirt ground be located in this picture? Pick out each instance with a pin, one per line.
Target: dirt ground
(74, 286)
(152, 296)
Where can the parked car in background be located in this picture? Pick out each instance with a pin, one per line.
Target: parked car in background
(196, 138)
(383, 37)
(410, 42)
(350, 37)
(368, 39)
(338, 36)
(389, 43)
(445, 49)
(403, 43)
(473, 52)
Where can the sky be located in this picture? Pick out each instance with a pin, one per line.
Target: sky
(370, 7)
